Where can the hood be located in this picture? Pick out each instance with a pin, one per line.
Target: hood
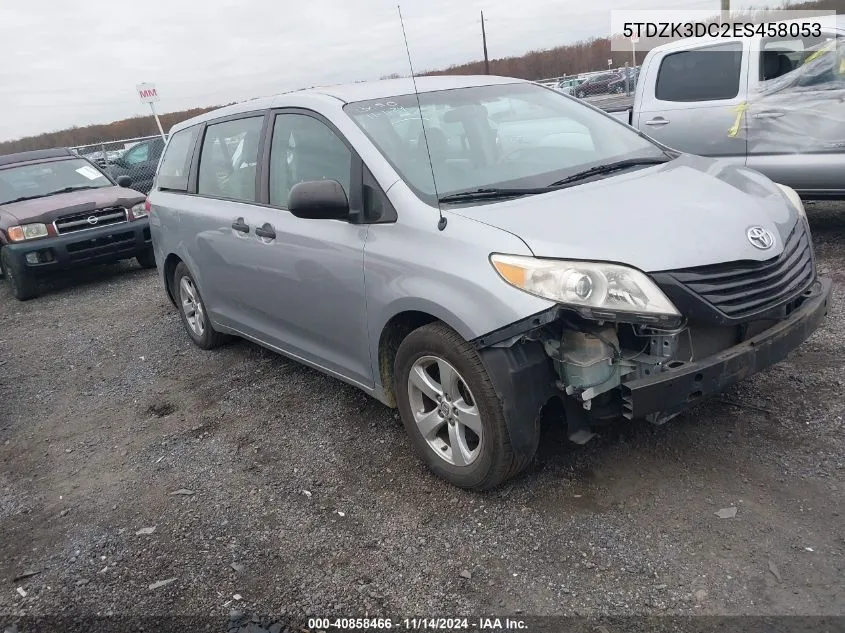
(691, 211)
(51, 207)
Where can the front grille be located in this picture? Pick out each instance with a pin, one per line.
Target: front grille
(108, 245)
(742, 289)
(90, 220)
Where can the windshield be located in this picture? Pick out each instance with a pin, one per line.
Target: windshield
(510, 135)
(37, 180)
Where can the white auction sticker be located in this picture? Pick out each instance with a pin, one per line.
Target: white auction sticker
(89, 172)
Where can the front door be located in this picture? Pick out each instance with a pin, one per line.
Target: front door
(796, 115)
(306, 288)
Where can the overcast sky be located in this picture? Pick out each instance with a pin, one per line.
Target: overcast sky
(74, 63)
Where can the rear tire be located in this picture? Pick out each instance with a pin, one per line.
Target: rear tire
(147, 258)
(192, 310)
(23, 285)
(469, 447)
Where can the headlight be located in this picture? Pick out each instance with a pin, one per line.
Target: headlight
(27, 232)
(794, 198)
(598, 291)
(140, 210)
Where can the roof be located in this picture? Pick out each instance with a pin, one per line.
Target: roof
(361, 91)
(37, 154)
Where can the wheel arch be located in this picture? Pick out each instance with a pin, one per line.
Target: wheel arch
(394, 331)
(168, 268)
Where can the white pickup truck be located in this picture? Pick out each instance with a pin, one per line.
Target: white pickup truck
(776, 105)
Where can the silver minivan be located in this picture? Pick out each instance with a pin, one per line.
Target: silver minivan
(481, 254)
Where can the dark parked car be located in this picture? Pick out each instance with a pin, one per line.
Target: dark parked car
(597, 84)
(622, 84)
(139, 162)
(60, 211)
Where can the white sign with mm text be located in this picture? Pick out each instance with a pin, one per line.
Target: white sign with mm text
(147, 92)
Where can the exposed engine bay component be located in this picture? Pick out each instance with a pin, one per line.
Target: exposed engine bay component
(584, 361)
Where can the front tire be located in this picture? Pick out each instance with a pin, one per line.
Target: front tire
(451, 411)
(23, 286)
(192, 310)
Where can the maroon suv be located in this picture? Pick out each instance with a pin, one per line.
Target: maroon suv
(60, 211)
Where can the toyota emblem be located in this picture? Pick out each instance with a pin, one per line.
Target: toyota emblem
(760, 238)
(93, 219)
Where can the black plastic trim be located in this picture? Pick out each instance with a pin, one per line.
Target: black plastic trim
(524, 380)
(680, 388)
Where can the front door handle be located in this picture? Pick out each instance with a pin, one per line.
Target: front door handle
(239, 225)
(266, 231)
(769, 114)
(657, 121)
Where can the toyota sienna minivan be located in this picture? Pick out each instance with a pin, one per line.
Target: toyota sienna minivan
(473, 252)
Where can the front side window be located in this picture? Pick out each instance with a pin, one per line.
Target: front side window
(305, 148)
(229, 158)
(39, 180)
(138, 154)
(176, 163)
(816, 63)
(516, 135)
(709, 73)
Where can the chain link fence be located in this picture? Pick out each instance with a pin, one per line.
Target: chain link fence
(136, 158)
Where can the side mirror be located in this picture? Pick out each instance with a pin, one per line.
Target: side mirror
(319, 200)
(124, 181)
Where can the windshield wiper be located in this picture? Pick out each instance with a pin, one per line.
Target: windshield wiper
(492, 193)
(22, 198)
(608, 168)
(69, 189)
(50, 193)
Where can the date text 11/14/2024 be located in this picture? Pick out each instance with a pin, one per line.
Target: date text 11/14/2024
(416, 624)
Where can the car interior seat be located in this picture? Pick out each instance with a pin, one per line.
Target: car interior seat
(319, 155)
(241, 184)
(774, 64)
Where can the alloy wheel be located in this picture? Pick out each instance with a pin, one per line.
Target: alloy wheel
(445, 411)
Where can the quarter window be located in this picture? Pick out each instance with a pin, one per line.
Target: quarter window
(173, 172)
(305, 148)
(229, 159)
(705, 74)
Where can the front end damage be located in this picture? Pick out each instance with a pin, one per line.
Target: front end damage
(604, 370)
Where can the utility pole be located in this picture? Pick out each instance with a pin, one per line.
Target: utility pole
(726, 11)
(484, 41)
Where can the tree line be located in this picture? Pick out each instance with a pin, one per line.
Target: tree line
(583, 56)
(103, 132)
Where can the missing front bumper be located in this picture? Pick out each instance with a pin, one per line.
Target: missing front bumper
(679, 388)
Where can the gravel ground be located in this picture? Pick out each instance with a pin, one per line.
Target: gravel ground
(265, 487)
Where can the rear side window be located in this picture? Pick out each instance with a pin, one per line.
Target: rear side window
(173, 172)
(229, 159)
(704, 74)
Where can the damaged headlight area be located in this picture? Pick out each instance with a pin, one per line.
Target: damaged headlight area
(592, 359)
(595, 290)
